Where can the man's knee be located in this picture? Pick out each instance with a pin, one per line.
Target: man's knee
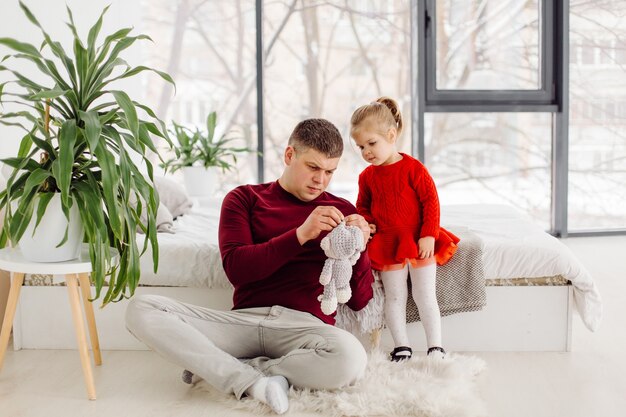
(139, 308)
(351, 361)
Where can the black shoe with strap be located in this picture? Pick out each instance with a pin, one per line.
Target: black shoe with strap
(436, 351)
(397, 354)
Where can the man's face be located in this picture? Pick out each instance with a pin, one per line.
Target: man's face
(308, 172)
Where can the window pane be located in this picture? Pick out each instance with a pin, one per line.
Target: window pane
(487, 45)
(597, 147)
(325, 60)
(209, 48)
(492, 158)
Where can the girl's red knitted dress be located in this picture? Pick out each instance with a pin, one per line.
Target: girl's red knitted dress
(401, 200)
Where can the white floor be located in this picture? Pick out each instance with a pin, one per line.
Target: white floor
(587, 382)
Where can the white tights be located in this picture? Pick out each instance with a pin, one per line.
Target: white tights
(423, 281)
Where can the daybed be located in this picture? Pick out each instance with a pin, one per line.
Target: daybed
(532, 281)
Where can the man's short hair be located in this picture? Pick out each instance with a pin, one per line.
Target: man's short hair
(318, 134)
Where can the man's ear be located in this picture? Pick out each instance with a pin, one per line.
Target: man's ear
(290, 155)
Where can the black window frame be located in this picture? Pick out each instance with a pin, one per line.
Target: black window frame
(552, 97)
(446, 100)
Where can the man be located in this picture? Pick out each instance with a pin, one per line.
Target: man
(276, 334)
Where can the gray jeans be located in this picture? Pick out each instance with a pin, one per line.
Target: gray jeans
(231, 350)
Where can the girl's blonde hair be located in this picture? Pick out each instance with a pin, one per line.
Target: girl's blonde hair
(384, 111)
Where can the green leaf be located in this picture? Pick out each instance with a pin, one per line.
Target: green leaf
(211, 122)
(22, 216)
(72, 25)
(25, 145)
(29, 14)
(134, 71)
(65, 161)
(56, 47)
(43, 201)
(22, 47)
(21, 163)
(46, 146)
(47, 67)
(129, 110)
(90, 194)
(48, 94)
(35, 179)
(144, 138)
(93, 33)
(93, 128)
(110, 179)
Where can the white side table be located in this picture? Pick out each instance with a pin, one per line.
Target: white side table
(76, 272)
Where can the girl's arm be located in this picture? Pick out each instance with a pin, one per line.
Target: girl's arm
(364, 200)
(427, 195)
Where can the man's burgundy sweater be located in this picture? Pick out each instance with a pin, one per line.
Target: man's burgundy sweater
(263, 258)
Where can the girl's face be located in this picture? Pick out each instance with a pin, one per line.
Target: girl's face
(376, 148)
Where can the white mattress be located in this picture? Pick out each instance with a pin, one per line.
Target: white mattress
(514, 247)
(189, 257)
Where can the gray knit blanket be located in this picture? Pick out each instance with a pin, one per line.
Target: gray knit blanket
(460, 288)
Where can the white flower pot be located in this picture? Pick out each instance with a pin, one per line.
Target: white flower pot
(42, 246)
(200, 181)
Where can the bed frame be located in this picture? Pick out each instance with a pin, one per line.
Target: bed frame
(516, 318)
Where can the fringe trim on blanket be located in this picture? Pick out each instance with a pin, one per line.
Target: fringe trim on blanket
(371, 317)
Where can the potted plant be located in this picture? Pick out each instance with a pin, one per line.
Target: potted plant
(82, 138)
(200, 154)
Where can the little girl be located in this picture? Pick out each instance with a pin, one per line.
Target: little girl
(397, 196)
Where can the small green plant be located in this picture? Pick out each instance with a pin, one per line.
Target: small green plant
(79, 142)
(198, 148)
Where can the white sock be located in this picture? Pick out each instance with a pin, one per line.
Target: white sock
(273, 391)
(424, 283)
(396, 292)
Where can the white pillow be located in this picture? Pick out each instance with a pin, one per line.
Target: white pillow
(164, 219)
(173, 196)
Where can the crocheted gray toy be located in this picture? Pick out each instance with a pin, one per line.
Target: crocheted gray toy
(343, 246)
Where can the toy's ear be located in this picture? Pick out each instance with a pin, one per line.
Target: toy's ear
(325, 244)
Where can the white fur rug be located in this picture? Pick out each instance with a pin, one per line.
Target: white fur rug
(420, 387)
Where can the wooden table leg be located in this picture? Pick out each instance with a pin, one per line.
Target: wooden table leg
(9, 313)
(81, 337)
(85, 287)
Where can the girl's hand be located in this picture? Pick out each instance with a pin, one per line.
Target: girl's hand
(372, 227)
(426, 247)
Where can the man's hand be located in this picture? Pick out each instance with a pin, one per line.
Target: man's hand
(360, 222)
(426, 247)
(323, 218)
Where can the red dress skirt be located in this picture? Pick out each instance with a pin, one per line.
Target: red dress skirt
(392, 247)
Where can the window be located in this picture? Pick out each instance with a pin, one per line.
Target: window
(597, 140)
(492, 158)
(491, 95)
(488, 53)
(327, 59)
(209, 49)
